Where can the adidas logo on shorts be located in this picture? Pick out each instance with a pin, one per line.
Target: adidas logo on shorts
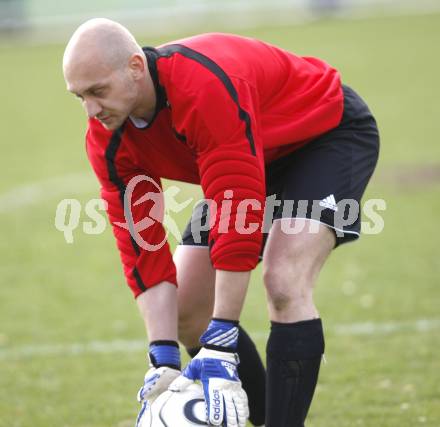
(329, 202)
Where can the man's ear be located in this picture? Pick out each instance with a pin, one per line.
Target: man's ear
(136, 65)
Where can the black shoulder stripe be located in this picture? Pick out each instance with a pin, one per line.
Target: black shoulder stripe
(151, 55)
(110, 155)
(170, 50)
(179, 136)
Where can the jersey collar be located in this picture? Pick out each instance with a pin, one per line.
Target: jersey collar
(161, 97)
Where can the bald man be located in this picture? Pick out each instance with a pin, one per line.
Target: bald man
(261, 130)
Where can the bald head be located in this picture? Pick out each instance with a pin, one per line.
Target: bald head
(100, 41)
(105, 67)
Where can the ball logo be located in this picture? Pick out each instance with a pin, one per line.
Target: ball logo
(189, 411)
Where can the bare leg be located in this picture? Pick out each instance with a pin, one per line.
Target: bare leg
(296, 342)
(196, 280)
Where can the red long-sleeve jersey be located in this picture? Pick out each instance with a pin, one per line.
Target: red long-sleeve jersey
(226, 106)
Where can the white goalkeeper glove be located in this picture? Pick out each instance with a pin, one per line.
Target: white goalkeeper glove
(165, 368)
(156, 381)
(216, 368)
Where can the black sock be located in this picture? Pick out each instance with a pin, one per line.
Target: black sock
(252, 374)
(294, 352)
(193, 351)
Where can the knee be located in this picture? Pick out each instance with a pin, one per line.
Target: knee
(288, 284)
(190, 327)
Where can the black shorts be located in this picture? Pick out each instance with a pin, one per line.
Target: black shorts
(322, 181)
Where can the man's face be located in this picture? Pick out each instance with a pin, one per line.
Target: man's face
(107, 94)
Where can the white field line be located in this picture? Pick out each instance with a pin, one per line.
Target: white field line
(64, 186)
(133, 346)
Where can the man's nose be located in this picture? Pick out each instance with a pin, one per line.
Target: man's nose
(92, 108)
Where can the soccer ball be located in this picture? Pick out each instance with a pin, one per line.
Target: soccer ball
(176, 409)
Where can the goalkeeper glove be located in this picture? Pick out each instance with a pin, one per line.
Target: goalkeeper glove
(216, 367)
(164, 369)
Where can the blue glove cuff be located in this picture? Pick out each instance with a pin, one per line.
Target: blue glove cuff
(165, 353)
(221, 334)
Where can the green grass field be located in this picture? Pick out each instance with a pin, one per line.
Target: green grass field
(71, 340)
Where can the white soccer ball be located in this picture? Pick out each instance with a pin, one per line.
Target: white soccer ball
(177, 409)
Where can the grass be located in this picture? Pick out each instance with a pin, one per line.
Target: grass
(55, 294)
